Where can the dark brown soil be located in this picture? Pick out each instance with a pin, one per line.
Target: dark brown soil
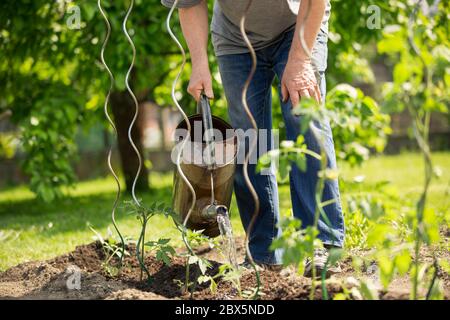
(48, 280)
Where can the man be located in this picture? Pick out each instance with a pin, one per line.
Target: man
(273, 29)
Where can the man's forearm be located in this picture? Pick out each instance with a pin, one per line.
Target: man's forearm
(313, 11)
(194, 23)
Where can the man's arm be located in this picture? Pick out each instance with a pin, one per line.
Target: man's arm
(194, 24)
(298, 77)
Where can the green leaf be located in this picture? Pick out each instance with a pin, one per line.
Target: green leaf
(163, 241)
(203, 265)
(300, 161)
(368, 290)
(403, 262)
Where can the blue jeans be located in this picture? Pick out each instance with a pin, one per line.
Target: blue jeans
(234, 70)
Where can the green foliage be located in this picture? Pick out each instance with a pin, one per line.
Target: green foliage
(289, 153)
(7, 145)
(420, 82)
(163, 251)
(48, 142)
(420, 85)
(297, 243)
(353, 68)
(358, 124)
(350, 47)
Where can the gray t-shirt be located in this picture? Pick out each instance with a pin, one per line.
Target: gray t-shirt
(266, 22)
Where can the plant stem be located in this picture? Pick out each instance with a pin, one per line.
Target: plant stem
(433, 280)
(318, 196)
(324, 287)
(186, 283)
(144, 227)
(138, 254)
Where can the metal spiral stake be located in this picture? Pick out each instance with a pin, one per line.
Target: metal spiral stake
(111, 122)
(252, 147)
(188, 125)
(136, 150)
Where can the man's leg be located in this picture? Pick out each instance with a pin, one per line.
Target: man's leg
(303, 184)
(234, 70)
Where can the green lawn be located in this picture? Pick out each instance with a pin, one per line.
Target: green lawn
(32, 230)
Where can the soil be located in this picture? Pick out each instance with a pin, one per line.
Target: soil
(54, 279)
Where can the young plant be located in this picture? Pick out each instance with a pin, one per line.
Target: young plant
(229, 273)
(162, 249)
(194, 239)
(111, 249)
(420, 85)
(144, 214)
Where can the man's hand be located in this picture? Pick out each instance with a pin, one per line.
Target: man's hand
(200, 81)
(299, 81)
(298, 77)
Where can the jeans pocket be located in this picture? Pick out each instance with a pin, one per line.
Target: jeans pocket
(320, 52)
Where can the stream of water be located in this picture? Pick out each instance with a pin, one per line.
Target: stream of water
(223, 220)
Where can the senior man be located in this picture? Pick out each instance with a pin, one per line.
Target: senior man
(273, 28)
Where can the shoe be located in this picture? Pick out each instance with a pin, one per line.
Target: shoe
(320, 260)
(261, 266)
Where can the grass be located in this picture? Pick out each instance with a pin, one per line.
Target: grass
(32, 230)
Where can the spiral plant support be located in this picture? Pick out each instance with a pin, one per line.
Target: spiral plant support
(188, 125)
(139, 255)
(111, 123)
(252, 146)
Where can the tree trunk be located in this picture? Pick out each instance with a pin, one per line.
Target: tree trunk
(123, 109)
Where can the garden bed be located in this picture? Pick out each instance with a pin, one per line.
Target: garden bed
(48, 280)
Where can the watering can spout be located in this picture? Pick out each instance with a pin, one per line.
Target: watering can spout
(210, 212)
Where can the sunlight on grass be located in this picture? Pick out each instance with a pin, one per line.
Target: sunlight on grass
(33, 230)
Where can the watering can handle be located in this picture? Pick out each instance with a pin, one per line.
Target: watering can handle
(204, 108)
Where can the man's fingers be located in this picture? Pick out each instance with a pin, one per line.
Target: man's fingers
(318, 93)
(201, 86)
(305, 93)
(295, 98)
(313, 94)
(195, 93)
(195, 90)
(208, 90)
(284, 93)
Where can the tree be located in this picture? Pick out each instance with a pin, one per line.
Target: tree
(52, 81)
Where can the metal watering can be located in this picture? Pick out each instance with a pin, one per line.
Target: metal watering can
(208, 162)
